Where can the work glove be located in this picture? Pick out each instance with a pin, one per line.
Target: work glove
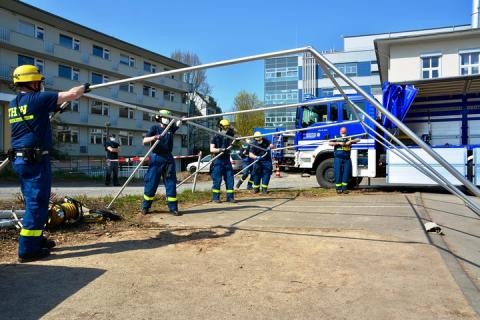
(221, 150)
(179, 123)
(61, 109)
(158, 137)
(258, 158)
(86, 87)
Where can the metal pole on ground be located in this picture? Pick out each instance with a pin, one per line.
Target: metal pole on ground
(198, 166)
(140, 164)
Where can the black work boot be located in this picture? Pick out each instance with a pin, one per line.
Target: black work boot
(256, 190)
(144, 211)
(48, 244)
(34, 256)
(175, 212)
(264, 191)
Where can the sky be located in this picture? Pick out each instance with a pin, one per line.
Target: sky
(220, 29)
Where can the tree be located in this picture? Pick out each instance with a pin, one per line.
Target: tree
(198, 79)
(245, 122)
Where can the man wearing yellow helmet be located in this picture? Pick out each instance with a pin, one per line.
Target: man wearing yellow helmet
(161, 164)
(31, 142)
(222, 167)
(262, 169)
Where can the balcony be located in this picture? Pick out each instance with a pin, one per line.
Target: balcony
(5, 72)
(70, 54)
(100, 63)
(176, 106)
(149, 101)
(60, 83)
(125, 70)
(127, 97)
(25, 42)
(171, 83)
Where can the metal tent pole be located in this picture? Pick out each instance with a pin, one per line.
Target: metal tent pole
(470, 186)
(300, 130)
(198, 169)
(140, 164)
(204, 66)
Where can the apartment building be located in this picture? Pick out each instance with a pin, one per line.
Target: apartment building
(69, 54)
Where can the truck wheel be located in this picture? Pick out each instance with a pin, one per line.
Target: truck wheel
(325, 174)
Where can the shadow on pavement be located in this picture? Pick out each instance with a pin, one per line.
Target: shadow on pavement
(30, 291)
(164, 238)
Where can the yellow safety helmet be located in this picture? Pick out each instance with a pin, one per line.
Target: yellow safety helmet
(224, 123)
(26, 73)
(257, 135)
(165, 112)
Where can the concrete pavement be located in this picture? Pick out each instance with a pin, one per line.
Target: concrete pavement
(359, 256)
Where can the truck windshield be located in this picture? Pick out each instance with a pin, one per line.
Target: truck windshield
(347, 110)
(314, 114)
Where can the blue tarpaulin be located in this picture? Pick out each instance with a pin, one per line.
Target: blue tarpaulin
(397, 99)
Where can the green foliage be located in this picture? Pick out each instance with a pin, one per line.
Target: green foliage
(245, 122)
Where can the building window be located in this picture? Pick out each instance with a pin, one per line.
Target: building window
(127, 87)
(67, 134)
(69, 42)
(68, 72)
(39, 32)
(32, 61)
(101, 52)
(169, 96)
(127, 60)
(149, 67)
(430, 67)
(97, 136)
(148, 116)
(100, 108)
(26, 28)
(99, 78)
(469, 63)
(125, 138)
(73, 106)
(125, 112)
(149, 91)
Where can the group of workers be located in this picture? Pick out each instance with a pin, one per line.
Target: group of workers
(31, 141)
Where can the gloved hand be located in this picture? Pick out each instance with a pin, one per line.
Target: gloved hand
(86, 87)
(258, 158)
(179, 122)
(62, 108)
(158, 137)
(221, 149)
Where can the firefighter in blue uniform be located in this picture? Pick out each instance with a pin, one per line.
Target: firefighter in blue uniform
(222, 166)
(161, 164)
(246, 161)
(262, 169)
(342, 165)
(31, 142)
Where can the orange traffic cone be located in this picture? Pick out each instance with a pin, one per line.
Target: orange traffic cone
(277, 171)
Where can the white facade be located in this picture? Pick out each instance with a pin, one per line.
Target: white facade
(406, 56)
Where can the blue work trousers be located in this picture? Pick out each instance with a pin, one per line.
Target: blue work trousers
(262, 171)
(342, 166)
(222, 168)
(160, 167)
(35, 183)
